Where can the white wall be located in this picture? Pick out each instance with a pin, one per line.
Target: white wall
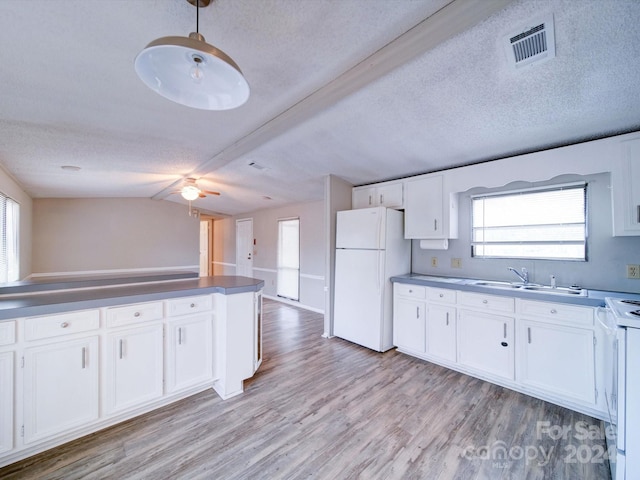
(265, 255)
(337, 196)
(102, 234)
(12, 189)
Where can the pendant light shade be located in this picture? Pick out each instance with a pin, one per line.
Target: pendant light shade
(189, 71)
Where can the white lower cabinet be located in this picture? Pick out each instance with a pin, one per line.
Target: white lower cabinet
(409, 317)
(441, 331)
(409, 326)
(545, 349)
(485, 343)
(70, 374)
(60, 387)
(557, 359)
(6, 401)
(134, 367)
(189, 359)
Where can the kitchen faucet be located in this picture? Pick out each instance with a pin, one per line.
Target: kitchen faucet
(524, 276)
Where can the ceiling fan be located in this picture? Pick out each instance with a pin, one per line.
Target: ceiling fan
(190, 190)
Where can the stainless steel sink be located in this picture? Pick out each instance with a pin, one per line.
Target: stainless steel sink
(555, 290)
(482, 283)
(530, 287)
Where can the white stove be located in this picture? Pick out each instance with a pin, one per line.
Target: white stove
(626, 405)
(627, 312)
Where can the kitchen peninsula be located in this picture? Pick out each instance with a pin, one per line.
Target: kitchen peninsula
(81, 354)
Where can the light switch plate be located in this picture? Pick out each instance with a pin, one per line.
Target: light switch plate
(456, 263)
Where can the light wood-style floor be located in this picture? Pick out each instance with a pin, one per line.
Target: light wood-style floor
(328, 409)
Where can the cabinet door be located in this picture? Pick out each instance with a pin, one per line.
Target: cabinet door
(189, 351)
(60, 387)
(409, 331)
(441, 331)
(626, 190)
(364, 197)
(6, 401)
(134, 367)
(557, 359)
(390, 195)
(485, 343)
(424, 208)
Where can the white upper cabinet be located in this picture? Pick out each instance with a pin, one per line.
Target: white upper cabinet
(380, 195)
(625, 180)
(426, 213)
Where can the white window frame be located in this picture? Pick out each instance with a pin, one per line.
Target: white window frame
(479, 232)
(9, 239)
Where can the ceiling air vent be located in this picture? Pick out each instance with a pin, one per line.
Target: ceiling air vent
(533, 43)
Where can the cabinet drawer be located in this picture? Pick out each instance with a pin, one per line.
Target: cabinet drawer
(442, 295)
(557, 312)
(488, 302)
(36, 328)
(182, 306)
(7, 333)
(131, 314)
(412, 291)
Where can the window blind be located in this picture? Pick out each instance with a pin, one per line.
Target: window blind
(545, 223)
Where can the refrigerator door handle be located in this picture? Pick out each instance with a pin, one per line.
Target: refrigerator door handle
(378, 269)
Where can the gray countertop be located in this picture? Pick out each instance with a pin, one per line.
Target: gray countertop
(88, 296)
(593, 298)
(42, 284)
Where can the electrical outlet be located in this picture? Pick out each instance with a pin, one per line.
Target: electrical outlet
(633, 271)
(456, 263)
(434, 261)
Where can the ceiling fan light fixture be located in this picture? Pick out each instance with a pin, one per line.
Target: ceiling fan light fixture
(190, 192)
(191, 72)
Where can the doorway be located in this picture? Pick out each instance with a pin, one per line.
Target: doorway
(288, 276)
(244, 247)
(206, 247)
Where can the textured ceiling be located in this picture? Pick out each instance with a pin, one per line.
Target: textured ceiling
(366, 90)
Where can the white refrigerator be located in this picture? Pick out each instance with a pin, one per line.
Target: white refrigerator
(370, 248)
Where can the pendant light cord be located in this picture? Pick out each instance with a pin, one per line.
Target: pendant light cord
(197, 16)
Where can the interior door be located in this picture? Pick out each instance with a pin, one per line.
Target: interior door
(204, 248)
(244, 247)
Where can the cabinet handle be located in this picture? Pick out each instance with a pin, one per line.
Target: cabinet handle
(84, 357)
(435, 224)
(417, 312)
(441, 295)
(505, 330)
(447, 319)
(554, 311)
(64, 325)
(120, 348)
(381, 198)
(529, 334)
(369, 199)
(137, 314)
(485, 301)
(638, 213)
(179, 335)
(192, 305)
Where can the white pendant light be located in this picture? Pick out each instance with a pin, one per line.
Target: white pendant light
(189, 71)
